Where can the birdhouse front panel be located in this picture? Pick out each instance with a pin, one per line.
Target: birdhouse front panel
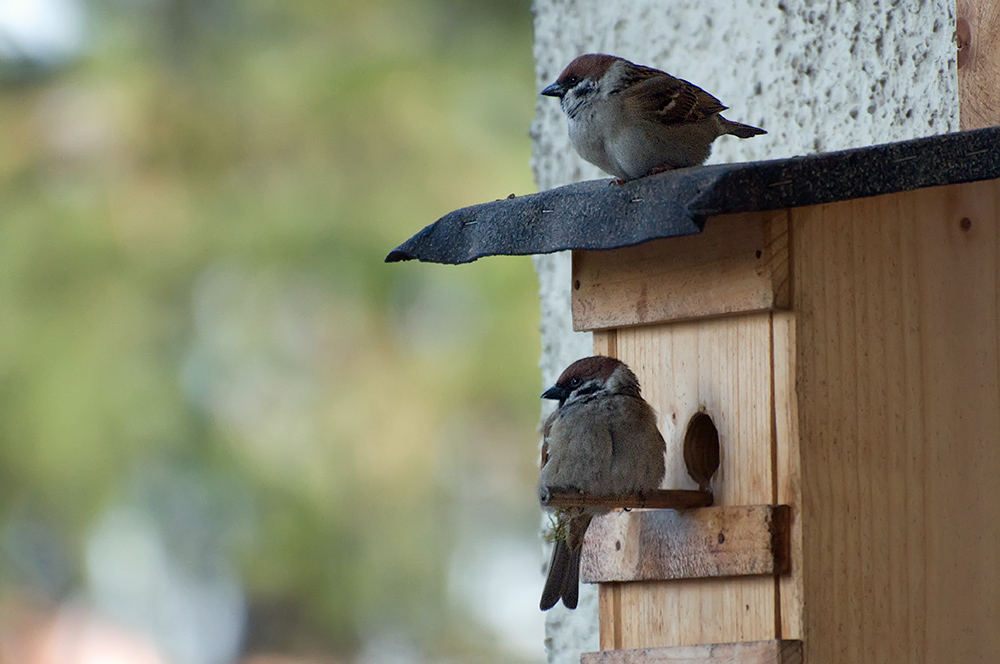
(720, 367)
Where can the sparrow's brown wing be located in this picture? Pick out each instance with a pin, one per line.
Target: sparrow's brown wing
(670, 101)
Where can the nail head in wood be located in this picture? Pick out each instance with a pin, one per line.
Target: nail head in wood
(963, 40)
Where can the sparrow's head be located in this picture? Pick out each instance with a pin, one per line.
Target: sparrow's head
(581, 79)
(590, 376)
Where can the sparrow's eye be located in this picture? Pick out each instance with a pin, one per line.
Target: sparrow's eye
(574, 382)
(571, 82)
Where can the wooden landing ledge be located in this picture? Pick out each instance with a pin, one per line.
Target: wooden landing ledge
(664, 499)
(659, 545)
(750, 652)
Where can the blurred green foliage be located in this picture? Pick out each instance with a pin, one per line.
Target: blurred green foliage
(193, 224)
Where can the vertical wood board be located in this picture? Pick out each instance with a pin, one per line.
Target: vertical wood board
(721, 366)
(787, 473)
(898, 399)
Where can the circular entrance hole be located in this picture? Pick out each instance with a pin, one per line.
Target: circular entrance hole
(701, 449)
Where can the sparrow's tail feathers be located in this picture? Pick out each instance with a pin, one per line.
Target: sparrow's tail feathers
(739, 129)
(563, 581)
(555, 582)
(571, 581)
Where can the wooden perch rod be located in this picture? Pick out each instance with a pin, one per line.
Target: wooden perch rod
(671, 499)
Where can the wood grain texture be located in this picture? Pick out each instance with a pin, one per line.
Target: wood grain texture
(721, 367)
(872, 409)
(788, 483)
(656, 545)
(750, 652)
(977, 31)
(606, 343)
(738, 264)
(898, 397)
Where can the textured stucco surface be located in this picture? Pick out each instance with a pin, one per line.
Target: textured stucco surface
(817, 75)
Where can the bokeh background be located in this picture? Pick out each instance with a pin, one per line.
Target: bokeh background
(228, 431)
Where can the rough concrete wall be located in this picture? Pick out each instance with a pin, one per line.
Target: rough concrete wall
(817, 75)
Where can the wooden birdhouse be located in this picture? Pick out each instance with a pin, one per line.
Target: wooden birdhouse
(825, 330)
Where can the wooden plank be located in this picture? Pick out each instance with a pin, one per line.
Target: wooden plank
(977, 31)
(749, 652)
(738, 264)
(897, 310)
(787, 474)
(606, 343)
(658, 545)
(664, 499)
(721, 367)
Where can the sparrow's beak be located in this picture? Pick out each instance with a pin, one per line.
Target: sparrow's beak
(555, 392)
(554, 90)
